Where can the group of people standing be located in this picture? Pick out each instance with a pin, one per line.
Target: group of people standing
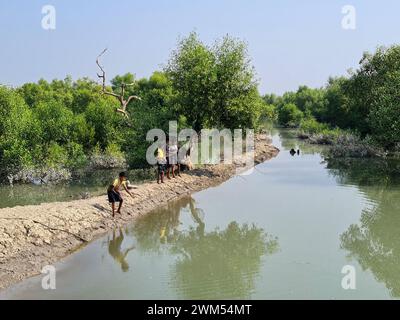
(170, 163)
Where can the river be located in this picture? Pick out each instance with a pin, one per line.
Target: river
(285, 231)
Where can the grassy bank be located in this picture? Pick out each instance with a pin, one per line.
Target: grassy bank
(343, 143)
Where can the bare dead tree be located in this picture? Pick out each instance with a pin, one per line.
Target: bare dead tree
(120, 97)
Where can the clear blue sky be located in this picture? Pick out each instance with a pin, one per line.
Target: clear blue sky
(291, 42)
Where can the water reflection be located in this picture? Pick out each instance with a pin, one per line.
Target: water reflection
(115, 249)
(221, 263)
(209, 263)
(289, 141)
(162, 226)
(384, 173)
(374, 242)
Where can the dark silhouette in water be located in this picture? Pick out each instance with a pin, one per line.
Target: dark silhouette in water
(114, 248)
(293, 152)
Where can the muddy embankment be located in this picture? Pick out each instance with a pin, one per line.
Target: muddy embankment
(37, 235)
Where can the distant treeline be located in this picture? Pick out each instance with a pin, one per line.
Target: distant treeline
(366, 103)
(69, 124)
(66, 124)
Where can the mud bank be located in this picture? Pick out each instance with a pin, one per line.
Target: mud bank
(37, 235)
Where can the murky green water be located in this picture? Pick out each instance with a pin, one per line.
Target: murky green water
(283, 232)
(90, 183)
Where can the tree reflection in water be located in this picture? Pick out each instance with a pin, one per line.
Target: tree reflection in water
(221, 263)
(375, 241)
(210, 264)
(162, 226)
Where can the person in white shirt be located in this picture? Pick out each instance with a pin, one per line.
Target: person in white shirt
(172, 158)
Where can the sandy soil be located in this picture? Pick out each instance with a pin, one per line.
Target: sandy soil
(37, 235)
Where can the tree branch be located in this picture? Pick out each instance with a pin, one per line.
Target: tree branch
(111, 94)
(123, 103)
(133, 97)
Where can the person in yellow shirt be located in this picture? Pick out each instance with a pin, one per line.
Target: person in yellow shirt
(161, 165)
(114, 194)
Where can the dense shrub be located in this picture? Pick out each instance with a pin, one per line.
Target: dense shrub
(215, 85)
(289, 115)
(64, 125)
(349, 145)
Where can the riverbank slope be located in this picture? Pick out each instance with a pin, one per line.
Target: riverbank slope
(37, 235)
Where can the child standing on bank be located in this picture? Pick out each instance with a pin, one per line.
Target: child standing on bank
(161, 165)
(114, 194)
(172, 158)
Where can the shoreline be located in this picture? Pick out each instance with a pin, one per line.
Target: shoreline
(345, 145)
(33, 236)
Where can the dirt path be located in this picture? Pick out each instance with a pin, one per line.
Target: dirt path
(37, 235)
